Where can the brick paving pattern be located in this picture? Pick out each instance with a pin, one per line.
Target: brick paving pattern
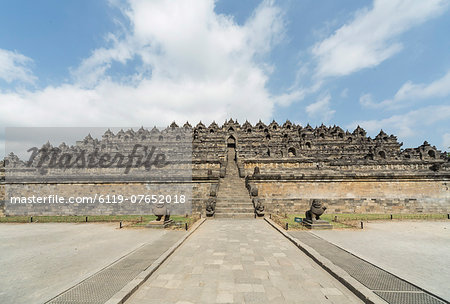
(240, 261)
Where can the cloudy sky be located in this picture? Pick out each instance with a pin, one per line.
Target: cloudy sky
(382, 64)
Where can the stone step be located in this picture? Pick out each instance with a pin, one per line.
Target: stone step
(233, 187)
(230, 207)
(239, 202)
(234, 200)
(240, 182)
(233, 196)
(234, 215)
(237, 183)
(229, 187)
(234, 210)
(237, 192)
(224, 196)
(233, 207)
(237, 199)
(238, 186)
(230, 191)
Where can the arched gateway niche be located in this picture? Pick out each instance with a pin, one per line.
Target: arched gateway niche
(231, 146)
(231, 142)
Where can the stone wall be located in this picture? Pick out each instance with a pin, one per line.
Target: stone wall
(2, 188)
(2, 199)
(350, 171)
(360, 196)
(296, 167)
(195, 192)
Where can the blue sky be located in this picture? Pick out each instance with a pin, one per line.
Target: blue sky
(380, 64)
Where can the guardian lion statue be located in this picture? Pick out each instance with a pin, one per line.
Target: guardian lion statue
(316, 210)
(210, 206)
(161, 210)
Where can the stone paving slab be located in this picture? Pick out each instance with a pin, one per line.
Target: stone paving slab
(417, 251)
(104, 284)
(40, 260)
(240, 261)
(390, 288)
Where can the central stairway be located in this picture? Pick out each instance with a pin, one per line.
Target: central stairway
(233, 199)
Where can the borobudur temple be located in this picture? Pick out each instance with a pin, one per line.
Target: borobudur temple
(235, 170)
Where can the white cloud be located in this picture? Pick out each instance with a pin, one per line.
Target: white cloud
(366, 100)
(407, 125)
(410, 92)
(203, 66)
(188, 40)
(371, 37)
(15, 67)
(321, 109)
(288, 98)
(344, 93)
(93, 69)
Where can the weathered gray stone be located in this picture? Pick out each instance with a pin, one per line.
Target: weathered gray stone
(285, 165)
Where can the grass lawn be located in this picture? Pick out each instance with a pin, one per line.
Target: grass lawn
(127, 220)
(352, 220)
(178, 221)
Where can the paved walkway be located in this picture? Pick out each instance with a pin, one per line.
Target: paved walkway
(417, 251)
(240, 261)
(387, 286)
(39, 261)
(104, 284)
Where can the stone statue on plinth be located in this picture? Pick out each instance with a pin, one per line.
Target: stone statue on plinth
(259, 207)
(312, 220)
(210, 206)
(161, 211)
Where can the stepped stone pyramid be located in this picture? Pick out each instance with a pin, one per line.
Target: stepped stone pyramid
(223, 169)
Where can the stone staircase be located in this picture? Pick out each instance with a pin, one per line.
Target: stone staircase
(233, 199)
